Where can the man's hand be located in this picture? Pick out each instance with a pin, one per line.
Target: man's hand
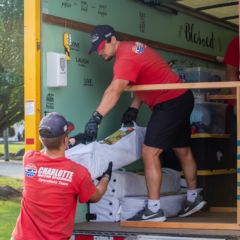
(72, 142)
(130, 116)
(102, 184)
(107, 173)
(91, 127)
(80, 138)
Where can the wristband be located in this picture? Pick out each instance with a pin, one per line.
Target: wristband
(97, 116)
(106, 176)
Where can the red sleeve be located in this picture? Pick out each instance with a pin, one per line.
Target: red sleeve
(126, 69)
(232, 54)
(27, 155)
(86, 188)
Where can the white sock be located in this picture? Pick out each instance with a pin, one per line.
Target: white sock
(191, 195)
(154, 205)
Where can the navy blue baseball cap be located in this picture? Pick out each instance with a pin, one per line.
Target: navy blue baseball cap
(100, 33)
(54, 125)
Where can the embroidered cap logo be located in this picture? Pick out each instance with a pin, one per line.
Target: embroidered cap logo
(95, 37)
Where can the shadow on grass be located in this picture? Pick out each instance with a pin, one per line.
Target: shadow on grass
(16, 151)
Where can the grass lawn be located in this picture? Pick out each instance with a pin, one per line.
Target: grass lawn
(13, 147)
(9, 209)
(11, 182)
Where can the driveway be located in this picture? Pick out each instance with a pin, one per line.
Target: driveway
(11, 169)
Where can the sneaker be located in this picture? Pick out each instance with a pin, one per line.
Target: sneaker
(192, 207)
(148, 216)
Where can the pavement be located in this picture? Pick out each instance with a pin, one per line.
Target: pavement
(11, 168)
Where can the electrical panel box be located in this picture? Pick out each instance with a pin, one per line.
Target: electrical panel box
(56, 70)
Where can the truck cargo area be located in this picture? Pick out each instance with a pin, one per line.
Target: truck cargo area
(174, 227)
(193, 45)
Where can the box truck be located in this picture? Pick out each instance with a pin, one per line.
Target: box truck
(60, 75)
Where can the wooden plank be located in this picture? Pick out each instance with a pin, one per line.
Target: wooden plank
(221, 97)
(185, 225)
(207, 173)
(209, 135)
(67, 23)
(216, 172)
(223, 209)
(168, 86)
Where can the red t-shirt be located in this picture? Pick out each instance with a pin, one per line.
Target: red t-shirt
(232, 54)
(51, 190)
(231, 57)
(140, 64)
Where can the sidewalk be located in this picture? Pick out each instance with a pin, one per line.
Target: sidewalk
(11, 169)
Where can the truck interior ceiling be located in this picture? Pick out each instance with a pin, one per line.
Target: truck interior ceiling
(223, 12)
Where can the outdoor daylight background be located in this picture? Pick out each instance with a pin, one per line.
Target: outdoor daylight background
(11, 62)
(11, 105)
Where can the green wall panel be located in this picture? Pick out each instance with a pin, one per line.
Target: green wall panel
(88, 76)
(140, 20)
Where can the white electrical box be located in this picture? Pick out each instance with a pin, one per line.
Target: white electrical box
(56, 69)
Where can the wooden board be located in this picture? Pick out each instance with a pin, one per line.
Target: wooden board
(198, 85)
(181, 225)
(221, 97)
(223, 209)
(205, 220)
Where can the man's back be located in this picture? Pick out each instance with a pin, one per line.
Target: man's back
(140, 64)
(51, 189)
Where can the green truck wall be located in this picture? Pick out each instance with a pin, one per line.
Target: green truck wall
(88, 75)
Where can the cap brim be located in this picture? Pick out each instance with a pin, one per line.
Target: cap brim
(93, 49)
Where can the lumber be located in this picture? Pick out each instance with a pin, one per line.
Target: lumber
(182, 225)
(169, 86)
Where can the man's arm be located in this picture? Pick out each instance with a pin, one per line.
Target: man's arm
(231, 73)
(130, 115)
(111, 95)
(109, 100)
(101, 188)
(136, 103)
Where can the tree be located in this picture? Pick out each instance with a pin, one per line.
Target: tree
(11, 62)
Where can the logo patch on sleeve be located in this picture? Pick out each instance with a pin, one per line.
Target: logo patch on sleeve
(30, 170)
(138, 47)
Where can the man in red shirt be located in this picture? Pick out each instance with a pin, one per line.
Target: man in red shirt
(52, 185)
(169, 125)
(231, 60)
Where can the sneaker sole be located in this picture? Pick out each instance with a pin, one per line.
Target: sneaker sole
(195, 209)
(159, 219)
